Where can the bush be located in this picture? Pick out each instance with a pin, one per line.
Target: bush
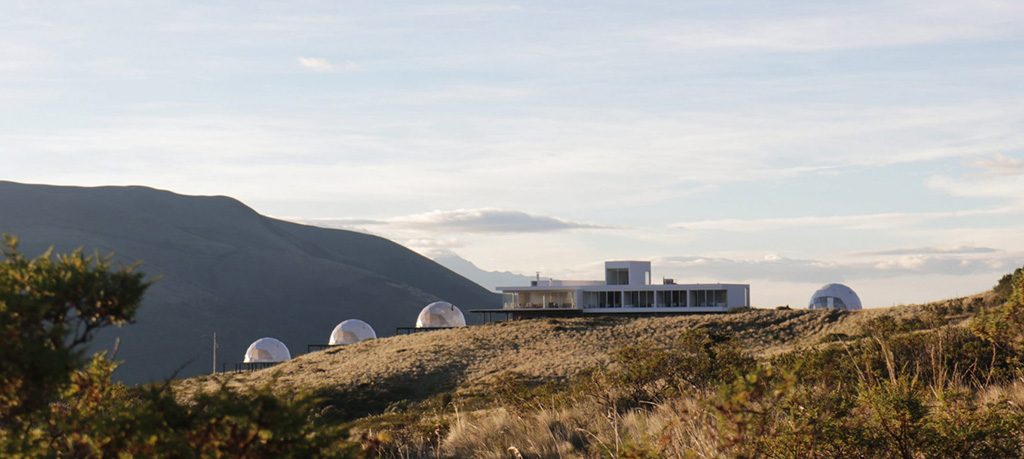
(645, 373)
(49, 308)
(1005, 287)
(54, 403)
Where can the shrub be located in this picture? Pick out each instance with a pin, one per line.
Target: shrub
(1004, 288)
(49, 308)
(1003, 326)
(53, 403)
(644, 372)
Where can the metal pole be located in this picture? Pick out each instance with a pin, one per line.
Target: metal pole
(214, 353)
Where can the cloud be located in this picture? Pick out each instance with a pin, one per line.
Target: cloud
(782, 269)
(335, 223)
(962, 250)
(771, 267)
(462, 221)
(857, 222)
(23, 57)
(405, 157)
(112, 67)
(262, 25)
(435, 243)
(1004, 185)
(319, 64)
(434, 247)
(1000, 165)
(489, 221)
(891, 24)
(461, 93)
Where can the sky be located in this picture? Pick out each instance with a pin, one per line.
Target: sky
(784, 144)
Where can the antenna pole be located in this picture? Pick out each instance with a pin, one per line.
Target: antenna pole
(214, 353)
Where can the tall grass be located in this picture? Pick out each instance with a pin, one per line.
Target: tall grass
(934, 385)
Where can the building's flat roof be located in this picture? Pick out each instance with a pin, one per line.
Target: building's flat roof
(603, 286)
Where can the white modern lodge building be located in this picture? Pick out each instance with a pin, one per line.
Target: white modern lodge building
(627, 289)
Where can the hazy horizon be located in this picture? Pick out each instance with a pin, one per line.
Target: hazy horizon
(784, 145)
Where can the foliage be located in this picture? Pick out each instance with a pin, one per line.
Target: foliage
(49, 308)
(643, 373)
(55, 403)
(1002, 325)
(224, 423)
(1005, 287)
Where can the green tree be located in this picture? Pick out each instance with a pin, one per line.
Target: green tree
(50, 307)
(57, 402)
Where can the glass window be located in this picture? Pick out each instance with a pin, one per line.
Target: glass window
(617, 276)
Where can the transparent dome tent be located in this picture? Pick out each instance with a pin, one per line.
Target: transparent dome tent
(440, 314)
(267, 350)
(835, 296)
(352, 331)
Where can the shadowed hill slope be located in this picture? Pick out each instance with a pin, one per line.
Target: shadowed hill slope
(229, 270)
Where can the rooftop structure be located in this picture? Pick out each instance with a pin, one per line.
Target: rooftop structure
(626, 289)
(835, 296)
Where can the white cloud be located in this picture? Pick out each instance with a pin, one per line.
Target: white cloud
(548, 157)
(891, 24)
(460, 93)
(853, 222)
(490, 221)
(22, 57)
(263, 25)
(1000, 165)
(112, 67)
(469, 221)
(781, 269)
(434, 247)
(351, 224)
(316, 64)
(1003, 186)
(959, 250)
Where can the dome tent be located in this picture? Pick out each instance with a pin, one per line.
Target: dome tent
(267, 350)
(835, 296)
(351, 331)
(440, 314)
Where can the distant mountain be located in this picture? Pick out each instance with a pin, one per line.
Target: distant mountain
(229, 270)
(490, 280)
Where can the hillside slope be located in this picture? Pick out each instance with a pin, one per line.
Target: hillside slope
(226, 269)
(469, 360)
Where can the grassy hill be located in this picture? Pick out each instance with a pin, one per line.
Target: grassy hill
(600, 387)
(466, 360)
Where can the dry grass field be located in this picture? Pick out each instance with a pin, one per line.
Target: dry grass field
(902, 382)
(467, 360)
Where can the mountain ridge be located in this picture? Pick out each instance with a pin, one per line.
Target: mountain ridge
(490, 280)
(227, 269)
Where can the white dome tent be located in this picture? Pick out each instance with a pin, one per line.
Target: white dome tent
(440, 314)
(352, 331)
(835, 296)
(267, 350)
